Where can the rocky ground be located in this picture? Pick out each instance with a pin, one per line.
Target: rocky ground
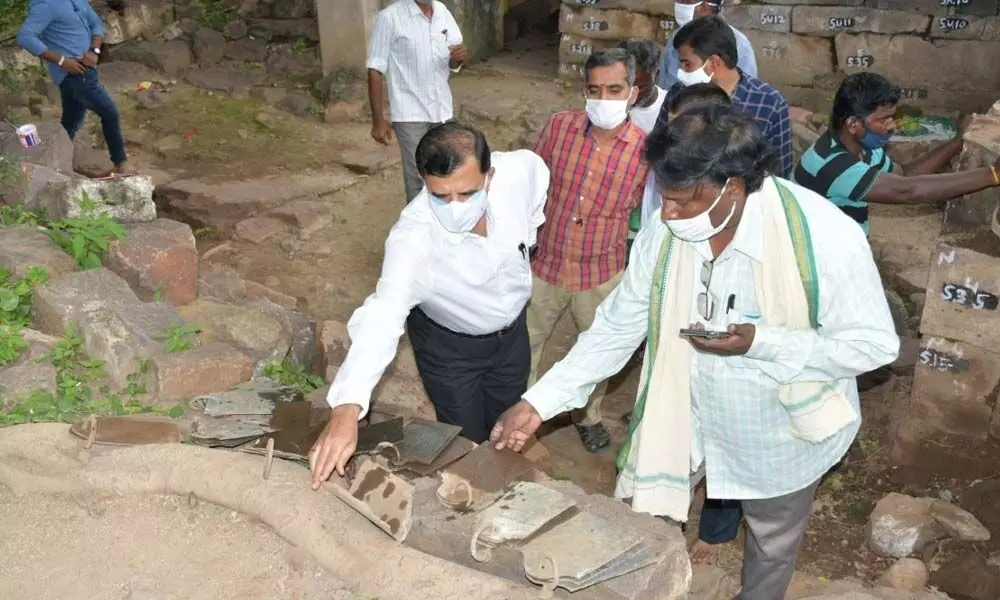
(274, 204)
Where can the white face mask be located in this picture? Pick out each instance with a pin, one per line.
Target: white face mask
(699, 228)
(696, 76)
(607, 114)
(460, 217)
(684, 13)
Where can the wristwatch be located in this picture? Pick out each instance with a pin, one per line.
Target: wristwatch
(96, 51)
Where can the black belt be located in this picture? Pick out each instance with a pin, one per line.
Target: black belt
(496, 334)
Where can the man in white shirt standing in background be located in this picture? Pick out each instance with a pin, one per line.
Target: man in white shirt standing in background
(457, 272)
(416, 45)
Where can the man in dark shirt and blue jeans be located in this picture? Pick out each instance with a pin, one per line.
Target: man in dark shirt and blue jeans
(68, 35)
(707, 52)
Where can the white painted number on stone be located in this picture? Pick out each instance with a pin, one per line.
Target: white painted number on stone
(968, 295)
(841, 22)
(946, 256)
(592, 26)
(773, 51)
(772, 19)
(954, 2)
(953, 23)
(861, 61)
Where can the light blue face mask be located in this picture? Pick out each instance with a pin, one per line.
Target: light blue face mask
(460, 217)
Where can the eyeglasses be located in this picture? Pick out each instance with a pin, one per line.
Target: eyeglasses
(706, 305)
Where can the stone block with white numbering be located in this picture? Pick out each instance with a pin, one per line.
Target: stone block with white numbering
(789, 59)
(828, 21)
(912, 61)
(963, 293)
(606, 24)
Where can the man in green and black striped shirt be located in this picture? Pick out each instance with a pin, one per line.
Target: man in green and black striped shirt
(848, 163)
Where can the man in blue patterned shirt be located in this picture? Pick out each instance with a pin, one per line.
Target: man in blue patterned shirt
(68, 35)
(707, 52)
(686, 11)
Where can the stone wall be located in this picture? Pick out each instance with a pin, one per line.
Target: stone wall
(953, 416)
(940, 52)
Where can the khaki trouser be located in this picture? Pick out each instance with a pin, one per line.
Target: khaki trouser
(548, 304)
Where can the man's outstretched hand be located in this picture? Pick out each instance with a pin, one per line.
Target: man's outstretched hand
(515, 427)
(335, 445)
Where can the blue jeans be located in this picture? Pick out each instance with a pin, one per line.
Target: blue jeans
(81, 93)
(720, 521)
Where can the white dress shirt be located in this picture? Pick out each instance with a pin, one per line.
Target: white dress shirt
(464, 282)
(413, 52)
(740, 430)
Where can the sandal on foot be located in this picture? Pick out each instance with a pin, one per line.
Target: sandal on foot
(594, 437)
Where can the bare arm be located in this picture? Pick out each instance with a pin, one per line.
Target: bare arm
(376, 97)
(927, 189)
(935, 159)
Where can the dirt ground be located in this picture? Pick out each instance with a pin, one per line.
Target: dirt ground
(148, 548)
(331, 271)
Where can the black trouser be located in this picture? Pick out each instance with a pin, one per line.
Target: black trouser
(471, 380)
(720, 521)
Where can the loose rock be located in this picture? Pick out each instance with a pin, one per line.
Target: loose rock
(203, 370)
(24, 246)
(157, 258)
(55, 152)
(907, 574)
(901, 525)
(960, 524)
(260, 329)
(209, 46)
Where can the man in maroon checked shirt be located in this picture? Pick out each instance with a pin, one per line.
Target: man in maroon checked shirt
(598, 176)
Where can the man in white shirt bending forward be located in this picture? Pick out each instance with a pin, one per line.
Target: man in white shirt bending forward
(457, 273)
(768, 402)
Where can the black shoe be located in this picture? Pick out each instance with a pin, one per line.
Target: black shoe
(594, 437)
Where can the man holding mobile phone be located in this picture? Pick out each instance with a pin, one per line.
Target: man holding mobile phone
(68, 35)
(763, 412)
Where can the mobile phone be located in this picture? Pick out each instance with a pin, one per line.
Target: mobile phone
(704, 333)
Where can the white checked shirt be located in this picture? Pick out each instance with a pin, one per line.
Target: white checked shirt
(413, 52)
(467, 283)
(740, 431)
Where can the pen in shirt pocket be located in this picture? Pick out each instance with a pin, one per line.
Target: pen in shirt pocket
(523, 249)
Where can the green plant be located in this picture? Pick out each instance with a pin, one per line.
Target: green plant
(16, 214)
(74, 397)
(12, 343)
(15, 304)
(212, 13)
(179, 337)
(72, 365)
(291, 373)
(86, 236)
(301, 45)
(15, 294)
